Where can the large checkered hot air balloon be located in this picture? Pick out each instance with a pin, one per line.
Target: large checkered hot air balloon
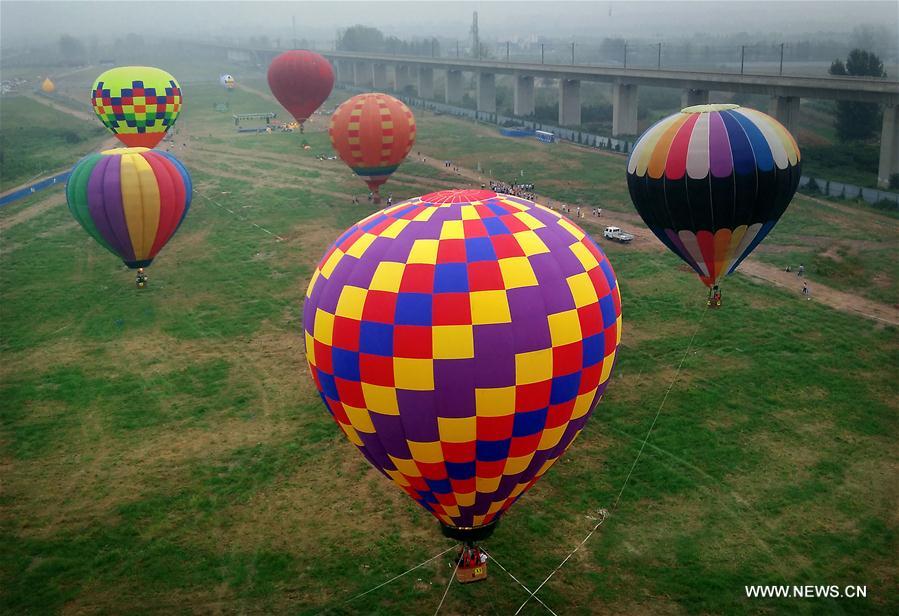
(131, 200)
(137, 103)
(461, 341)
(712, 181)
(301, 80)
(373, 133)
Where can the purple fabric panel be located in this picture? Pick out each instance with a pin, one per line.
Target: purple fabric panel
(104, 202)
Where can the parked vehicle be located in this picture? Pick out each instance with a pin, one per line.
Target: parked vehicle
(615, 233)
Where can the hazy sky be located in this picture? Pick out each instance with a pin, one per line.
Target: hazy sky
(24, 20)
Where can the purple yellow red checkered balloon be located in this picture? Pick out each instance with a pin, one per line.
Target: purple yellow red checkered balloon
(461, 341)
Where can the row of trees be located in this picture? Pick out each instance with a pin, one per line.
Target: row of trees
(855, 120)
(365, 38)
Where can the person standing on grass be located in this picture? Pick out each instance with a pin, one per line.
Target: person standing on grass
(801, 271)
(806, 291)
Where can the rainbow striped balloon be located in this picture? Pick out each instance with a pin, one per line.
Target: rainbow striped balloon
(131, 200)
(712, 181)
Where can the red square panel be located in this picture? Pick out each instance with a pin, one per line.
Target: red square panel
(532, 397)
(485, 276)
(412, 341)
(346, 334)
(417, 278)
(568, 359)
(451, 309)
(451, 251)
(380, 306)
(376, 370)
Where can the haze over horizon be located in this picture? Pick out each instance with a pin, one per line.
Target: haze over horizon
(38, 21)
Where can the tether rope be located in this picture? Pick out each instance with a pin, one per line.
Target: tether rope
(603, 513)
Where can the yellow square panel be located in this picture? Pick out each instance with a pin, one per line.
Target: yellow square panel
(518, 489)
(465, 499)
(470, 213)
(351, 302)
(380, 399)
(394, 229)
(577, 233)
(415, 374)
(387, 277)
(407, 467)
(551, 437)
(533, 367)
(457, 429)
(582, 290)
(424, 251)
(489, 307)
(331, 263)
(530, 243)
(361, 245)
(425, 214)
(310, 347)
(452, 230)
(564, 327)
(618, 327)
(360, 419)
(324, 326)
(582, 404)
(487, 485)
(517, 465)
(452, 341)
(494, 401)
(529, 221)
(351, 434)
(584, 256)
(607, 362)
(452, 511)
(426, 452)
(496, 506)
(517, 272)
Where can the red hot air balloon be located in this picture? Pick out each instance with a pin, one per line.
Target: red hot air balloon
(301, 80)
(373, 133)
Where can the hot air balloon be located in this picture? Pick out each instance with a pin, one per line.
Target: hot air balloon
(137, 103)
(48, 86)
(301, 80)
(227, 81)
(373, 133)
(711, 182)
(461, 340)
(131, 200)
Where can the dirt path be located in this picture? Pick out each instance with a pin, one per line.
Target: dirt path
(645, 240)
(316, 121)
(81, 115)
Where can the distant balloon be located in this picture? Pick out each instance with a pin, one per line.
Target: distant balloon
(131, 200)
(373, 133)
(227, 81)
(712, 181)
(48, 86)
(301, 80)
(137, 103)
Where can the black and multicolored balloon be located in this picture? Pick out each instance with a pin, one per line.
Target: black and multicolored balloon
(712, 181)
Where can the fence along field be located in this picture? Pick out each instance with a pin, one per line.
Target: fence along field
(166, 450)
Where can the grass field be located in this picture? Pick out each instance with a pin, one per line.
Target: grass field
(165, 451)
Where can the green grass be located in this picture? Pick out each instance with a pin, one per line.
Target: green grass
(165, 450)
(35, 139)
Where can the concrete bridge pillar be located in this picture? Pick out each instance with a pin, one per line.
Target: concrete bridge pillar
(624, 109)
(569, 102)
(889, 146)
(523, 96)
(425, 83)
(402, 77)
(379, 77)
(692, 97)
(786, 110)
(487, 92)
(453, 87)
(362, 74)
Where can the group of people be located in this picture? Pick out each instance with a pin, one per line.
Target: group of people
(523, 191)
(806, 291)
(471, 556)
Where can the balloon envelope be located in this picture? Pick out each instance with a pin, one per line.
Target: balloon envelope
(712, 181)
(301, 80)
(48, 86)
(373, 133)
(137, 103)
(461, 340)
(227, 81)
(131, 200)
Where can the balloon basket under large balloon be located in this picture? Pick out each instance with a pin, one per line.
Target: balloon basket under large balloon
(714, 300)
